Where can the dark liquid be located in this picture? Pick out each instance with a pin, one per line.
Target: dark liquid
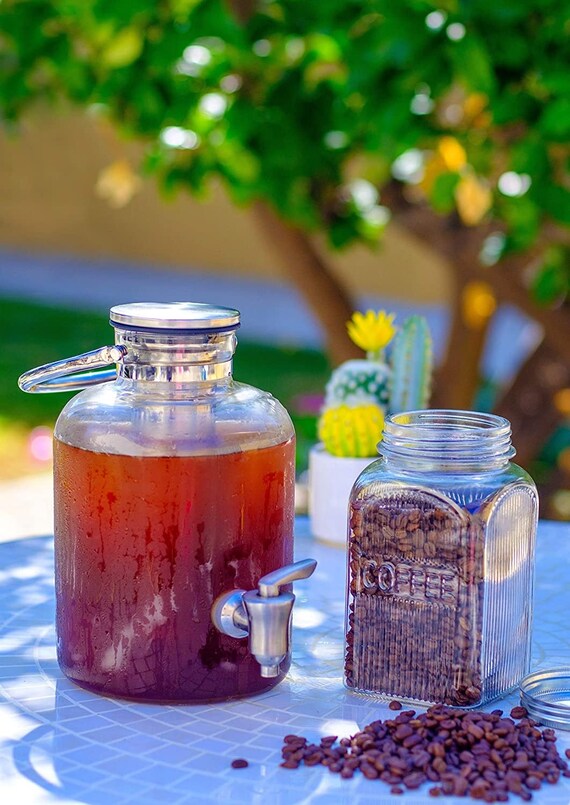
(143, 548)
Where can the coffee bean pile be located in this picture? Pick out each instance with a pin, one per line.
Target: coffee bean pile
(415, 606)
(485, 756)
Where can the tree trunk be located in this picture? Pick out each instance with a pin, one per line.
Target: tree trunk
(457, 379)
(530, 403)
(309, 273)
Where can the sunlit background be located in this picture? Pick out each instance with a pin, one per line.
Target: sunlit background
(292, 159)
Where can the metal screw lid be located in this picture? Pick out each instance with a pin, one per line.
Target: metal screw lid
(174, 316)
(546, 696)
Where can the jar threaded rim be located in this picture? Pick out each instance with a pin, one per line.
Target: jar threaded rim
(457, 439)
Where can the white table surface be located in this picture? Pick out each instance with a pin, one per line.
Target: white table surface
(59, 743)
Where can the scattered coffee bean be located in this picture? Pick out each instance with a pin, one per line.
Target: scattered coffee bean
(369, 771)
(464, 752)
(567, 753)
(239, 763)
(292, 739)
(395, 705)
(290, 764)
(519, 712)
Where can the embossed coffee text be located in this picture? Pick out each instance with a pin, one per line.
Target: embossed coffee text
(407, 580)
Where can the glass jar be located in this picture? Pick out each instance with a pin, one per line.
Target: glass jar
(440, 562)
(172, 484)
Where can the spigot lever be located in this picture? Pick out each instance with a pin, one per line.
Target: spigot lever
(269, 584)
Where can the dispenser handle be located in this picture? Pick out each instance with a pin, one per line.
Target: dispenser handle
(54, 376)
(269, 585)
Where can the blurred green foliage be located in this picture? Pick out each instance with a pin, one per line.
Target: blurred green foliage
(313, 107)
(39, 334)
(551, 283)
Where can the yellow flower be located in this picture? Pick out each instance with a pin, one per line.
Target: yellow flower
(449, 157)
(473, 199)
(474, 104)
(118, 183)
(475, 111)
(452, 153)
(372, 331)
(479, 304)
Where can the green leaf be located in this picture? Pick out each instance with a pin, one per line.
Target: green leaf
(514, 50)
(554, 199)
(371, 226)
(551, 282)
(343, 231)
(530, 156)
(239, 166)
(555, 121)
(123, 49)
(557, 81)
(473, 62)
(513, 105)
(522, 216)
(181, 9)
(102, 33)
(323, 48)
(442, 194)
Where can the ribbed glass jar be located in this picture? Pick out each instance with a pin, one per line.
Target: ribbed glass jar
(440, 562)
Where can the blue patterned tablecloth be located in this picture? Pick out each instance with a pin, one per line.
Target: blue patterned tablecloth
(59, 743)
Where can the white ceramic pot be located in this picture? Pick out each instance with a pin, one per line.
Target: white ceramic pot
(330, 481)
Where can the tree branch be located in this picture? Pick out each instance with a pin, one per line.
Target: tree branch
(461, 246)
(323, 292)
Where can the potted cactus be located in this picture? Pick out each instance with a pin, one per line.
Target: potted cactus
(358, 396)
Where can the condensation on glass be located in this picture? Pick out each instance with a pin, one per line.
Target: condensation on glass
(440, 562)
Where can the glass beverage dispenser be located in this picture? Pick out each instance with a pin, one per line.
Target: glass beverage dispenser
(174, 494)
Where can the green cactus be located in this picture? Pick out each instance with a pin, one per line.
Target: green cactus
(359, 382)
(351, 432)
(360, 392)
(411, 360)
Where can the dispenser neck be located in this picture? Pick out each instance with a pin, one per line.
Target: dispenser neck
(172, 356)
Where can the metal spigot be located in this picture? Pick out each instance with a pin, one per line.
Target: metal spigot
(263, 614)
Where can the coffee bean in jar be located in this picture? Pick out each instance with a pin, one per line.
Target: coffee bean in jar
(441, 560)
